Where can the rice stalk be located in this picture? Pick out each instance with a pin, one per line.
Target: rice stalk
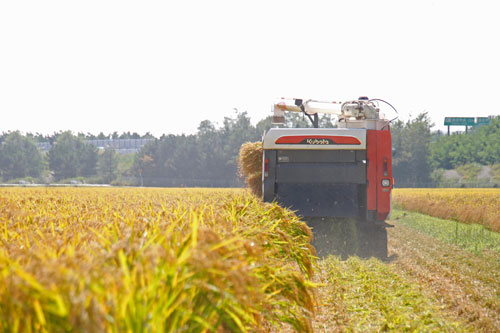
(250, 166)
(151, 260)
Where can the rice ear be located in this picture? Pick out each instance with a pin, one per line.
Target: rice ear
(254, 182)
(250, 165)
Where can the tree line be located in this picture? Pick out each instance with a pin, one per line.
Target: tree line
(69, 157)
(209, 157)
(206, 158)
(51, 138)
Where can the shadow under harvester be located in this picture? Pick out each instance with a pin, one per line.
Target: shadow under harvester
(348, 237)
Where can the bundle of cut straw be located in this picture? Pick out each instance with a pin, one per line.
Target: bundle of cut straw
(250, 165)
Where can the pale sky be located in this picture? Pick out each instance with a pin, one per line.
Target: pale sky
(164, 66)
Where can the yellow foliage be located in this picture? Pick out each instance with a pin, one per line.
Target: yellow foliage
(480, 206)
(250, 164)
(151, 260)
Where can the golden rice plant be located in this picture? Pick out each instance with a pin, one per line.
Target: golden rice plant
(481, 206)
(250, 164)
(151, 260)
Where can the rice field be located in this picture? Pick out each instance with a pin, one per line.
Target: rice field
(151, 260)
(472, 237)
(221, 260)
(480, 206)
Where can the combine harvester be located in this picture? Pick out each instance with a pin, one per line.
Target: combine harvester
(338, 179)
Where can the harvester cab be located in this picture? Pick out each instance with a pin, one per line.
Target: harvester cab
(327, 174)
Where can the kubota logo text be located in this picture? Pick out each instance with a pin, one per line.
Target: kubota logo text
(318, 141)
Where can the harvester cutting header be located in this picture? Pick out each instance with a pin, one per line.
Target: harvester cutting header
(343, 172)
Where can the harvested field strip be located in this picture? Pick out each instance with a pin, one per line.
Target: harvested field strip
(472, 237)
(159, 260)
(464, 283)
(481, 206)
(426, 282)
(368, 295)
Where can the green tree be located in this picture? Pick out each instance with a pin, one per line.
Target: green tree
(107, 165)
(326, 121)
(300, 120)
(211, 151)
(70, 157)
(3, 136)
(87, 162)
(235, 132)
(297, 120)
(411, 141)
(102, 136)
(125, 168)
(480, 145)
(208, 158)
(19, 157)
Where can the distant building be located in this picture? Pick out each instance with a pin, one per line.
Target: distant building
(44, 146)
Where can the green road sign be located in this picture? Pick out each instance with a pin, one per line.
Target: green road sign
(459, 121)
(483, 121)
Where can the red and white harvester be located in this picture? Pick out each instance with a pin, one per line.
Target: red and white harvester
(325, 173)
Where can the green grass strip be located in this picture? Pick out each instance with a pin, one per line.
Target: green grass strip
(370, 296)
(471, 237)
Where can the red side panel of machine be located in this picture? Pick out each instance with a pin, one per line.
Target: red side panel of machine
(371, 170)
(384, 174)
(379, 173)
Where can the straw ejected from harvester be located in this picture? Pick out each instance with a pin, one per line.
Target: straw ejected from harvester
(337, 174)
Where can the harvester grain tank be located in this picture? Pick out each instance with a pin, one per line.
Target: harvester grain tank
(328, 174)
